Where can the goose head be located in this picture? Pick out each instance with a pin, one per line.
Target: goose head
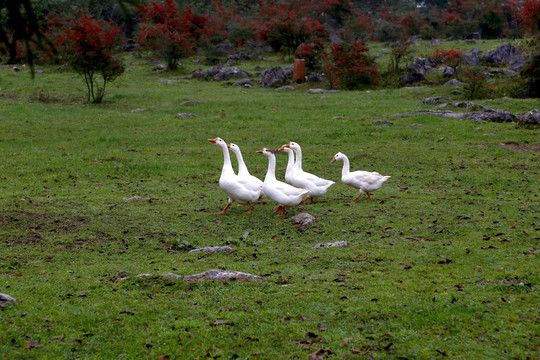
(234, 148)
(338, 156)
(267, 152)
(218, 141)
(291, 145)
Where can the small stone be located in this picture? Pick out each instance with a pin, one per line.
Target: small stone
(159, 67)
(383, 122)
(190, 103)
(303, 219)
(184, 115)
(453, 82)
(223, 275)
(213, 249)
(144, 276)
(137, 198)
(172, 276)
(334, 244)
(285, 88)
(5, 299)
(138, 110)
(338, 117)
(123, 274)
(320, 91)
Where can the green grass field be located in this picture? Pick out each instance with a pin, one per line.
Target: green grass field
(443, 263)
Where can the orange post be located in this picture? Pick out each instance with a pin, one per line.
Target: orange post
(299, 72)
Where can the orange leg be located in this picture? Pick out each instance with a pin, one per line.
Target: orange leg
(310, 200)
(356, 198)
(226, 207)
(251, 208)
(369, 197)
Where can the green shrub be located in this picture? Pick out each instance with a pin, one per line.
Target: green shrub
(474, 80)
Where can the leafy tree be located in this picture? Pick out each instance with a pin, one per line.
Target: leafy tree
(173, 32)
(529, 17)
(350, 66)
(88, 44)
(286, 25)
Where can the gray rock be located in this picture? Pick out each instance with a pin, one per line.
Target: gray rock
(529, 119)
(122, 274)
(474, 36)
(243, 82)
(172, 276)
(339, 117)
(472, 58)
(492, 115)
(190, 103)
(453, 82)
(223, 275)
(502, 73)
(410, 78)
(435, 42)
(448, 71)
(144, 276)
(184, 115)
(213, 249)
(137, 198)
(383, 122)
(138, 110)
(159, 67)
(228, 73)
(334, 244)
(285, 88)
(274, 76)
(501, 54)
(434, 100)
(289, 70)
(315, 78)
(212, 71)
(320, 91)
(303, 219)
(421, 65)
(5, 299)
(516, 62)
(197, 73)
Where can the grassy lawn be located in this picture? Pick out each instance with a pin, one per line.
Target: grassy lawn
(441, 264)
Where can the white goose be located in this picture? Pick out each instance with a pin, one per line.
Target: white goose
(237, 189)
(298, 177)
(284, 194)
(364, 181)
(243, 172)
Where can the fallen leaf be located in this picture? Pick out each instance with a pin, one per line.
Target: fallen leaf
(322, 327)
(32, 344)
(220, 322)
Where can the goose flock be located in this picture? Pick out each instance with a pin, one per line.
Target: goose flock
(300, 186)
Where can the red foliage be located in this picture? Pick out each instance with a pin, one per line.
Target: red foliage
(173, 32)
(529, 16)
(312, 53)
(286, 25)
(450, 57)
(350, 66)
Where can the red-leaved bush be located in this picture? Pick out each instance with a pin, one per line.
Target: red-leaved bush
(88, 44)
(529, 16)
(171, 32)
(286, 25)
(350, 66)
(313, 54)
(450, 57)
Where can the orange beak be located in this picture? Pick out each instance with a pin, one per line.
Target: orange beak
(260, 151)
(284, 146)
(333, 160)
(212, 140)
(228, 145)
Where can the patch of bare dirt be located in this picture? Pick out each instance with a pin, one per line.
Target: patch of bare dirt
(34, 225)
(518, 147)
